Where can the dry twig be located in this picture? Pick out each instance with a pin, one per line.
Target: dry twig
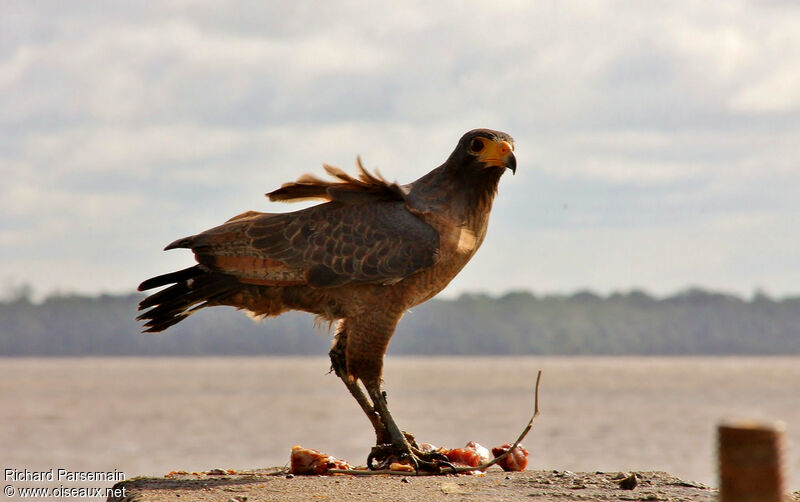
(481, 467)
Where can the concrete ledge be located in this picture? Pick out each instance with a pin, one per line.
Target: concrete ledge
(496, 485)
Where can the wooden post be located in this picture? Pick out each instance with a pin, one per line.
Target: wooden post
(750, 462)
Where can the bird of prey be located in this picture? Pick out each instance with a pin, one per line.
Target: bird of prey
(362, 258)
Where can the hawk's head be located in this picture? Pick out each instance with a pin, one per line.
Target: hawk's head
(481, 149)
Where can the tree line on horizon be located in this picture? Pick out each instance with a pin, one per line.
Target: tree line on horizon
(693, 322)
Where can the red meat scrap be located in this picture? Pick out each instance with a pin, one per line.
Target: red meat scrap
(517, 460)
(307, 461)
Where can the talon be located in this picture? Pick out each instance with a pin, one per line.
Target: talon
(429, 467)
(447, 463)
(414, 461)
(383, 455)
(370, 459)
(435, 455)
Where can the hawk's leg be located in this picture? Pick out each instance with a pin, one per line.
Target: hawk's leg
(357, 355)
(339, 366)
(403, 447)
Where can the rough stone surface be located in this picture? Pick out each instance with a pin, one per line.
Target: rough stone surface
(495, 485)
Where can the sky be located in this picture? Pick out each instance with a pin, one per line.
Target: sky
(658, 143)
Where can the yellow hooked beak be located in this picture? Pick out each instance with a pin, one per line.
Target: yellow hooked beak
(497, 154)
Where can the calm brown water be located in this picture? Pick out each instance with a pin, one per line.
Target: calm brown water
(152, 416)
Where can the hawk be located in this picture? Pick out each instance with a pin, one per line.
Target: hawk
(362, 258)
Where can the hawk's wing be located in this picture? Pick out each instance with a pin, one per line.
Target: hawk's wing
(325, 245)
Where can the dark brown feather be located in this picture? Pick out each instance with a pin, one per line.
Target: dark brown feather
(346, 189)
(326, 245)
(175, 303)
(171, 278)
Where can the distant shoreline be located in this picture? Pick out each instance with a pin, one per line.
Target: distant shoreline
(391, 356)
(692, 323)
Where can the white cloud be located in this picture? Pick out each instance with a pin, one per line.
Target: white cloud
(712, 252)
(122, 127)
(778, 91)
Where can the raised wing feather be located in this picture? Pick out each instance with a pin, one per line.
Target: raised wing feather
(364, 188)
(322, 246)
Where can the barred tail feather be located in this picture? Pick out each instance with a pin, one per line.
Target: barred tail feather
(191, 289)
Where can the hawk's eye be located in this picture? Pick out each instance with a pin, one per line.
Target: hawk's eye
(475, 145)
